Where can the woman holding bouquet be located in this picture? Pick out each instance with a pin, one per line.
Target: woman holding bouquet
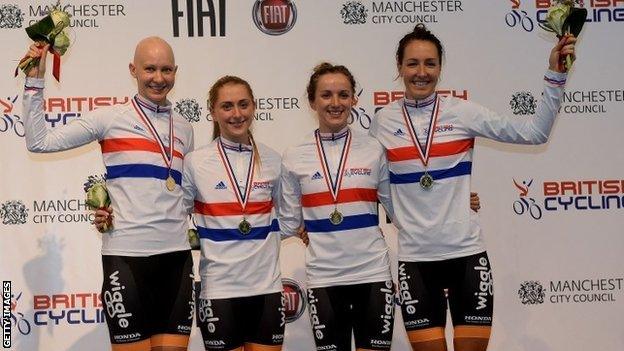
(232, 187)
(440, 247)
(143, 144)
(331, 182)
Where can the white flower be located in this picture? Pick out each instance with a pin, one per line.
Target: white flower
(556, 16)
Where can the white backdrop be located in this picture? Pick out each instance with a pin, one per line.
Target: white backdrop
(555, 239)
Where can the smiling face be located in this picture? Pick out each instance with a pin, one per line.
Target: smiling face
(233, 111)
(420, 69)
(154, 69)
(333, 100)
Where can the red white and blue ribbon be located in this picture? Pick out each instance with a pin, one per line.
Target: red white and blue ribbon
(167, 156)
(424, 154)
(241, 196)
(333, 184)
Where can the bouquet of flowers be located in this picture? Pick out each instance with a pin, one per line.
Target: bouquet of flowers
(48, 30)
(564, 18)
(97, 198)
(193, 238)
(193, 235)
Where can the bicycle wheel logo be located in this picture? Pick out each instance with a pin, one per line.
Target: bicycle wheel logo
(18, 319)
(519, 18)
(526, 204)
(360, 116)
(10, 122)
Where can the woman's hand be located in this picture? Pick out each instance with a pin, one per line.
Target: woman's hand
(475, 202)
(565, 47)
(302, 233)
(103, 219)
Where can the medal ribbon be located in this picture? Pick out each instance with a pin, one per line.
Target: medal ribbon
(424, 154)
(333, 186)
(241, 197)
(167, 157)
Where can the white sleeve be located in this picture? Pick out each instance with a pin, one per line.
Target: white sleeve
(276, 195)
(39, 139)
(374, 126)
(189, 190)
(289, 207)
(191, 140)
(383, 188)
(533, 129)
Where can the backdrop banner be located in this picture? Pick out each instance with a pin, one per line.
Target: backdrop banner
(552, 215)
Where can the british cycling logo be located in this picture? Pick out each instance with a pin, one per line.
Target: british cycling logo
(11, 16)
(526, 204)
(569, 195)
(523, 103)
(18, 319)
(353, 12)
(517, 18)
(13, 212)
(359, 115)
(605, 11)
(10, 122)
(531, 293)
(189, 109)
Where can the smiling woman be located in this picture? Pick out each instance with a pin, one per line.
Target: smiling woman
(232, 186)
(429, 141)
(154, 69)
(232, 107)
(347, 261)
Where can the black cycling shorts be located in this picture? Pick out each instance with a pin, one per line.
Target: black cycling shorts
(466, 282)
(367, 310)
(146, 296)
(227, 324)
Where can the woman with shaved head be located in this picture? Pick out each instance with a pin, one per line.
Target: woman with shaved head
(146, 257)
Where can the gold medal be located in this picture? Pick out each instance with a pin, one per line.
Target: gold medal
(426, 181)
(335, 217)
(244, 227)
(170, 183)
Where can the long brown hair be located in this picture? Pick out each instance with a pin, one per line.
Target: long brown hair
(213, 95)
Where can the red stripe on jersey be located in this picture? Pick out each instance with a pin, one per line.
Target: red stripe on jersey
(437, 150)
(232, 208)
(345, 195)
(132, 144)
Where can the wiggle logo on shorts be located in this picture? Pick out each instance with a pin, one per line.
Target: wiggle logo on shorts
(406, 297)
(316, 322)
(206, 315)
(485, 283)
(113, 300)
(387, 316)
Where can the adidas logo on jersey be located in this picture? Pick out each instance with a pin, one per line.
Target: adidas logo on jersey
(220, 186)
(399, 132)
(317, 175)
